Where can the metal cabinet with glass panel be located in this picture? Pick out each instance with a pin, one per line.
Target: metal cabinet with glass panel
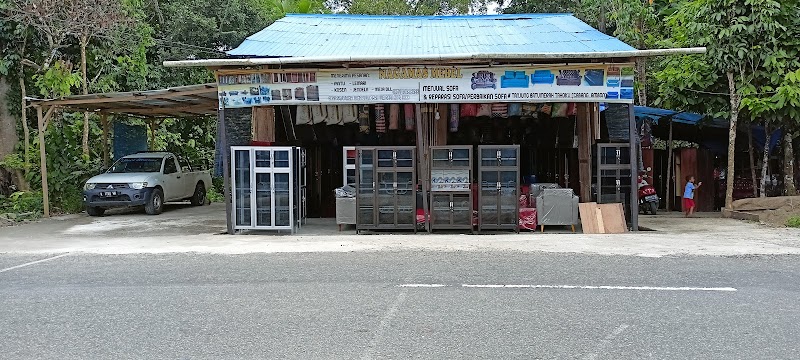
(451, 193)
(348, 165)
(613, 177)
(386, 184)
(268, 187)
(498, 195)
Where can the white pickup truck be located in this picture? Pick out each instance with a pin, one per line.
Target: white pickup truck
(145, 178)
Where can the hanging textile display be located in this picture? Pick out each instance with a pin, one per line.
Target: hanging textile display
(319, 114)
(484, 110)
(334, 118)
(499, 110)
(394, 116)
(469, 110)
(514, 109)
(559, 110)
(530, 110)
(347, 113)
(303, 116)
(572, 109)
(363, 118)
(380, 119)
(545, 108)
(408, 115)
(454, 115)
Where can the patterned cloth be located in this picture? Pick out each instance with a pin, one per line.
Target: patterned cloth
(454, 117)
(514, 109)
(499, 110)
(347, 114)
(363, 118)
(408, 115)
(334, 118)
(380, 119)
(394, 116)
(303, 116)
(484, 110)
(469, 110)
(319, 114)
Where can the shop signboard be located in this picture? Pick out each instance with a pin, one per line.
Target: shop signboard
(612, 83)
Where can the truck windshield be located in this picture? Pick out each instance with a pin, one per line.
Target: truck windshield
(136, 165)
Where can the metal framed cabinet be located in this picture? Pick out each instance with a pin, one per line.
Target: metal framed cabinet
(268, 187)
(451, 192)
(349, 165)
(386, 183)
(614, 175)
(498, 196)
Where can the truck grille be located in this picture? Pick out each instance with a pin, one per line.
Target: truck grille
(114, 186)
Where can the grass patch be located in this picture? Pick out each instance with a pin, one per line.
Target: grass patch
(793, 222)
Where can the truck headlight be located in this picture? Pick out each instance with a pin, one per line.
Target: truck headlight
(89, 186)
(138, 185)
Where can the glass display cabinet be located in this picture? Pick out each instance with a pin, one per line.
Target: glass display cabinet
(451, 194)
(349, 165)
(269, 189)
(386, 183)
(498, 196)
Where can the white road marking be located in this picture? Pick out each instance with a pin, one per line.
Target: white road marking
(379, 334)
(32, 263)
(607, 341)
(422, 285)
(584, 287)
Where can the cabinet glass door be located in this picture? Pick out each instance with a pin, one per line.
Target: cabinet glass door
(366, 188)
(385, 158)
(508, 198)
(281, 158)
(263, 199)
(386, 197)
(242, 186)
(441, 158)
(263, 159)
(440, 209)
(406, 201)
(462, 210)
(489, 197)
(282, 198)
(405, 158)
(460, 157)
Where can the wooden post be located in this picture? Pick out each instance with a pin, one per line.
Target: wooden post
(106, 153)
(634, 195)
(669, 183)
(42, 122)
(422, 151)
(751, 152)
(584, 124)
(226, 175)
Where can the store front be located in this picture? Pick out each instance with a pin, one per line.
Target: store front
(432, 141)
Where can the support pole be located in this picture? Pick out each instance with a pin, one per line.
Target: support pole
(106, 153)
(226, 175)
(669, 183)
(634, 170)
(42, 122)
(422, 151)
(584, 123)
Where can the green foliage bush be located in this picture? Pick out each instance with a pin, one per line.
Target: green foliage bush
(24, 204)
(793, 221)
(215, 192)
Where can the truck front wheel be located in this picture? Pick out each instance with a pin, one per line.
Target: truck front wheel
(155, 202)
(199, 197)
(95, 211)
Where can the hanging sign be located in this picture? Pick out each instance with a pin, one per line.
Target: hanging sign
(418, 84)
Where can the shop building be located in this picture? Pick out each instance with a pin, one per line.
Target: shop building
(438, 122)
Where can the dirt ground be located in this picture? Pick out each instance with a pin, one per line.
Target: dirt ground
(774, 211)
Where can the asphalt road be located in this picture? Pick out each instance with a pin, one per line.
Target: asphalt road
(352, 306)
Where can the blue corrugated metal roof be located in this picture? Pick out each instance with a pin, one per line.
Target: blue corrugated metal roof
(302, 35)
(678, 117)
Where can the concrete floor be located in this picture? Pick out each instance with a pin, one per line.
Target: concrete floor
(183, 228)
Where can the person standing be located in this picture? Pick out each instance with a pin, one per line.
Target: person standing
(688, 195)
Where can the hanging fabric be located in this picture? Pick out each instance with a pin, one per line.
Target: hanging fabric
(454, 116)
(334, 118)
(394, 116)
(514, 109)
(530, 110)
(469, 110)
(319, 114)
(363, 118)
(303, 116)
(545, 108)
(484, 110)
(380, 119)
(499, 110)
(408, 115)
(347, 114)
(559, 110)
(572, 109)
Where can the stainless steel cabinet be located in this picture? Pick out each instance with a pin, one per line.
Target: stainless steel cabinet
(451, 193)
(269, 190)
(498, 196)
(386, 184)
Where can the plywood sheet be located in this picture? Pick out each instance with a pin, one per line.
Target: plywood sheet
(613, 218)
(588, 213)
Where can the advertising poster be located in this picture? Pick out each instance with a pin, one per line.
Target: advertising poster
(568, 83)
(450, 180)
